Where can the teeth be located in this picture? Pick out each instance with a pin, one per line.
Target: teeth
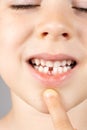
(36, 61)
(57, 63)
(36, 67)
(68, 67)
(69, 62)
(60, 70)
(46, 69)
(64, 63)
(55, 71)
(33, 61)
(42, 62)
(49, 64)
(65, 69)
(52, 67)
(40, 69)
(52, 63)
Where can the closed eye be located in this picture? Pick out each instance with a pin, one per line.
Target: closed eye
(84, 10)
(25, 6)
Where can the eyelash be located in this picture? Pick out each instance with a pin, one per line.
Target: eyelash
(29, 6)
(80, 9)
(24, 7)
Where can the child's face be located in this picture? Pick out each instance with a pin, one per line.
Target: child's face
(53, 31)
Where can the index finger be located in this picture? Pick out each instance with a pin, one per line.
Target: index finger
(56, 109)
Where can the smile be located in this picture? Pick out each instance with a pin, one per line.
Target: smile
(51, 69)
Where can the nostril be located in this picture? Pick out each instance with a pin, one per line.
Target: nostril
(44, 34)
(65, 35)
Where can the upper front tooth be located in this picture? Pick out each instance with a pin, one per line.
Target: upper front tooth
(37, 61)
(49, 64)
(57, 64)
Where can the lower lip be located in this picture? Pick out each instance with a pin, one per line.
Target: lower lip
(51, 80)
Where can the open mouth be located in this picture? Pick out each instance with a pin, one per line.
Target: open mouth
(50, 67)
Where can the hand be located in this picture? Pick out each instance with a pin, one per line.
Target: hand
(56, 110)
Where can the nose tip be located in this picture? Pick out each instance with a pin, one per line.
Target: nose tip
(54, 31)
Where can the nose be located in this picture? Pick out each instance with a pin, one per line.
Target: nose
(54, 30)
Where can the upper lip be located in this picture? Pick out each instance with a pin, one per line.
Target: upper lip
(52, 57)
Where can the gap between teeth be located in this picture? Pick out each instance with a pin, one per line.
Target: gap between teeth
(49, 70)
(52, 67)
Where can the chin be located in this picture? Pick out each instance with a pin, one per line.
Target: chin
(71, 105)
(40, 108)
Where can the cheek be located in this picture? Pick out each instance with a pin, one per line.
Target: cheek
(82, 32)
(84, 36)
(14, 29)
(13, 35)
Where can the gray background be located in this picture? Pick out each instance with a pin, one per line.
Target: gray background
(5, 100)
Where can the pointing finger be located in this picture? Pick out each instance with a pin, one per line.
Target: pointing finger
(56, 110)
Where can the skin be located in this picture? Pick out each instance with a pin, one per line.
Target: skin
(21, 35)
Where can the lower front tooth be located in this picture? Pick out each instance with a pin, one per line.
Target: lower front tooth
(46, 69)
(55, 71)
(60, 70)
(49, 64)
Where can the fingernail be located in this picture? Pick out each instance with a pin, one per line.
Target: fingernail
(50, 93)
